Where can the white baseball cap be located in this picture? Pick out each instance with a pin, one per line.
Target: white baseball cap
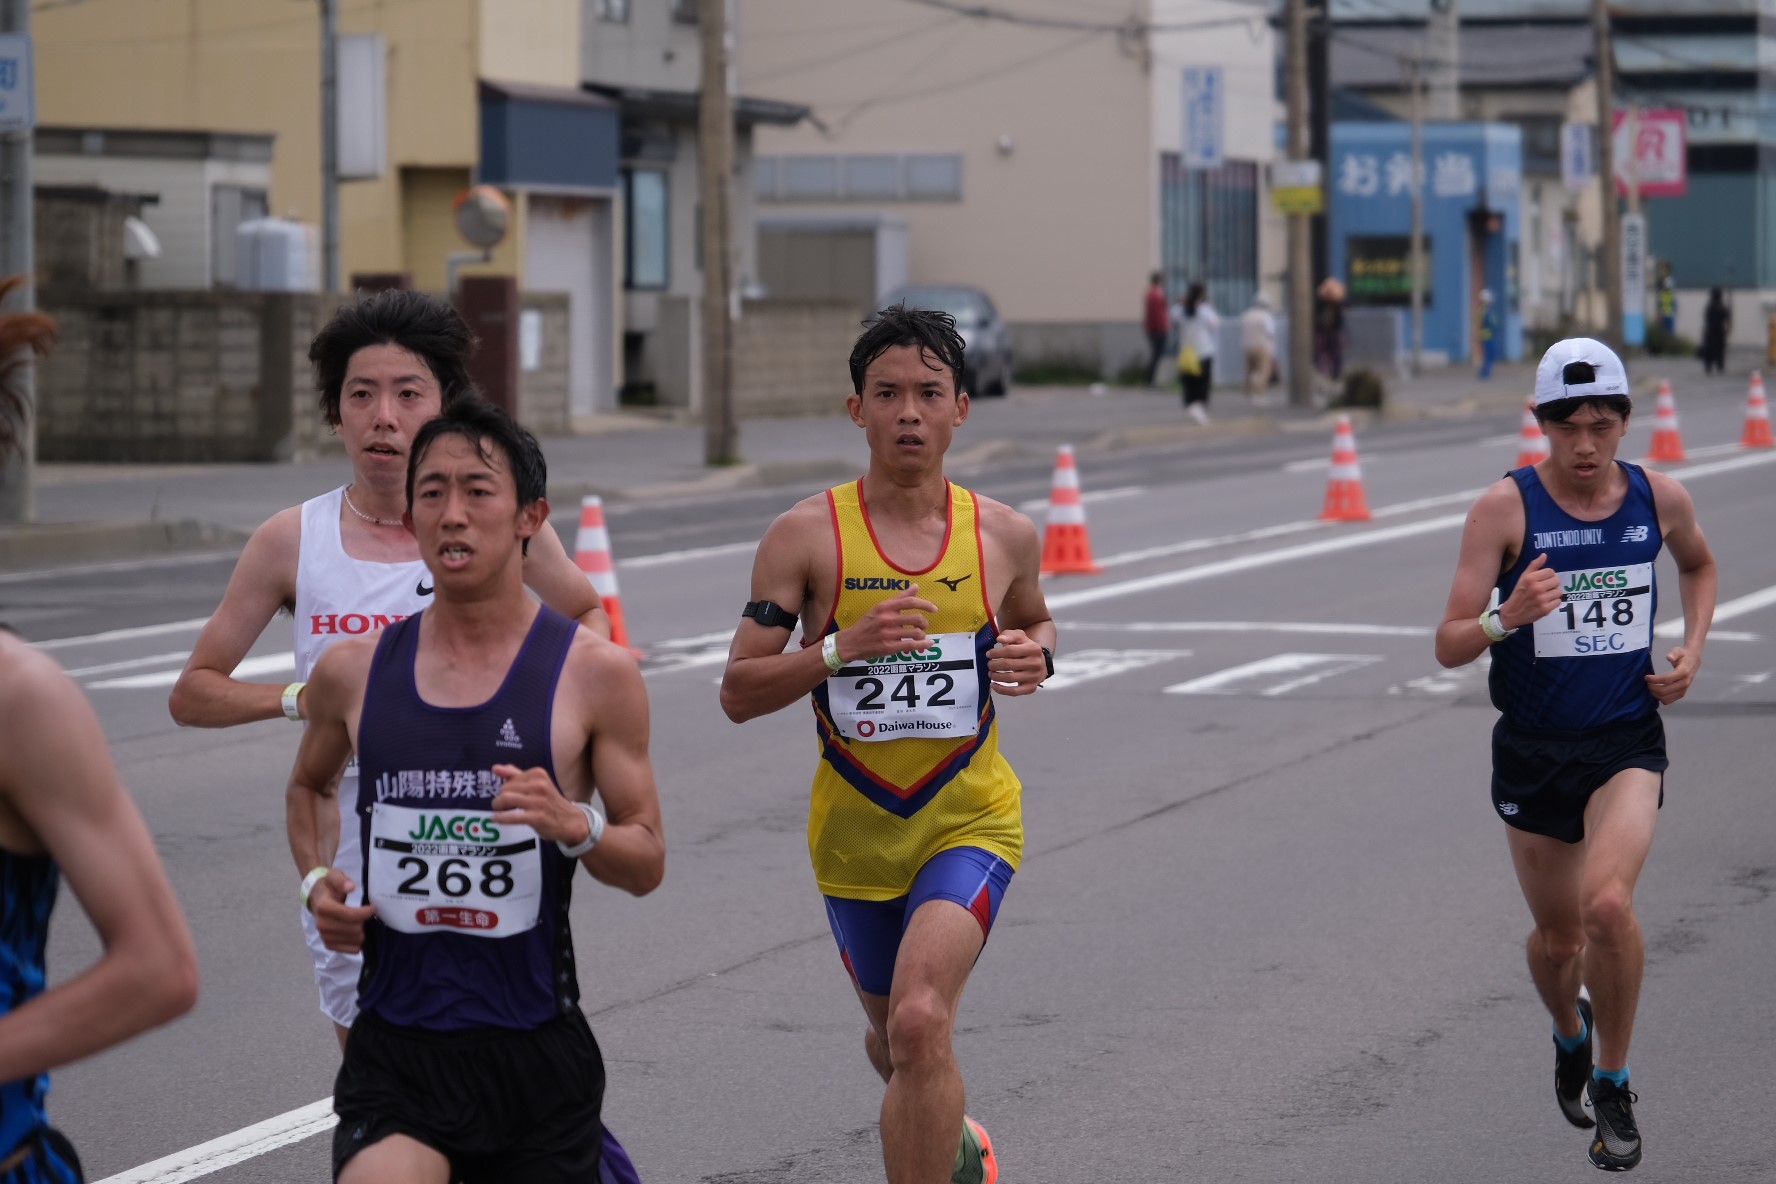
(1579, 368)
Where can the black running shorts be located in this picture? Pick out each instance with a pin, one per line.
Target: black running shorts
(1541, 781)
(502, 1106)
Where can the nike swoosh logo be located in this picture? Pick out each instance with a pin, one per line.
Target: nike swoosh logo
(955, 584)
(423, 590)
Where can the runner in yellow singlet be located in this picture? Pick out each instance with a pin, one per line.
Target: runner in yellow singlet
(919, 603)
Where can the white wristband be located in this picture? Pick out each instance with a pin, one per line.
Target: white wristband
(315, 876)
(594, 832)
(292, 711)
(829, 652)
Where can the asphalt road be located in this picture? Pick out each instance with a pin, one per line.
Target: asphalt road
(1266, 927)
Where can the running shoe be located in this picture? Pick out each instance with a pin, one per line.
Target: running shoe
(975, 1161)
(1572, 1070)
(1617, 1145)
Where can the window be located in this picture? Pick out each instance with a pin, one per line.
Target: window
(932, 178)
(684, 11)
(862, 177)
(647, 214)
(614, 11)
(1208, 229)
(230, 205)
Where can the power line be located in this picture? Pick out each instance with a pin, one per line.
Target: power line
(986, 12)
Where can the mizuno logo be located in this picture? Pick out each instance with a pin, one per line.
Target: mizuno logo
(955, 584)
(1635, 534)
(424, 589)
(508, 737)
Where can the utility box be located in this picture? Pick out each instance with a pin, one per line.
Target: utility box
(489, 303)
(277, 255)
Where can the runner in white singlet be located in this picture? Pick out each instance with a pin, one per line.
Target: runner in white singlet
(343, 563)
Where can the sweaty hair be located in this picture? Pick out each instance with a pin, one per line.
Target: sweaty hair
(17, 331)
(1561, 410)
(483, 424)
(933, 332)
(420, 324)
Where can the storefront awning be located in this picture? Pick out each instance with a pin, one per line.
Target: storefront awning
(547, 138)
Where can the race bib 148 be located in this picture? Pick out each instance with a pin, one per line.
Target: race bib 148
(1604, 610)
(438, 870)
(931, 693)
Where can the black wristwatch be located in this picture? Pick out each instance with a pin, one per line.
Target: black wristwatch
(1048, 659)
(769, 614)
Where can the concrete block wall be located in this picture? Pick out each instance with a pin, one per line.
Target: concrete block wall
(790, 357)
(544, 402)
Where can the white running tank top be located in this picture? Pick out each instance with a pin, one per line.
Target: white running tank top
(338, 596)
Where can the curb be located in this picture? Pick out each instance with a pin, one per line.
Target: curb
(31, 545)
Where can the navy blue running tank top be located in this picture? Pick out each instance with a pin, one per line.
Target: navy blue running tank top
(27, 894)
(1584, 665)
(471, 928)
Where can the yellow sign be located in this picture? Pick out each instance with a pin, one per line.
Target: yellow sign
(1295, 187)
(1301, 200)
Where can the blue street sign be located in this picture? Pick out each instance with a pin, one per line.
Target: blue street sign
(18, 109)
(1205, 117)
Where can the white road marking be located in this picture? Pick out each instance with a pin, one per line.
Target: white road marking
(293, 1126)
(1725, 611)
(249, 668)
(177, 656)
(87, 569)
(1088, 665)
(1036, 504)
(1310, 668)
(666, 557)
(1252, 627)
(1320, 464)
(1702, 453)
(191, 626)
(1501, 440)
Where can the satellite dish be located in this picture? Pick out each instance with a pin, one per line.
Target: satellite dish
(482, 216)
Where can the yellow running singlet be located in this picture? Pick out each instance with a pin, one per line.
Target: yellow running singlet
(909, 743)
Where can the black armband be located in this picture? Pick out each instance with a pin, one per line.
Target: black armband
(769, 614)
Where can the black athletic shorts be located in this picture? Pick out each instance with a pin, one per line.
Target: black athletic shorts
(501, 1105)
(1541, 781)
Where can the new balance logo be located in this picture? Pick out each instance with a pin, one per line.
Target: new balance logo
(508, 737)
(1635, 534)
(1508, 809)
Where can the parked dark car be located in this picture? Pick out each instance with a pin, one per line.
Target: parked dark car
(986, 367)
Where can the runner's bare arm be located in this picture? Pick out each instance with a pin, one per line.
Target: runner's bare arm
(1698, 586)
(631, 854)
(207, 694)
(1016, 664)
(761, 677)
(1488, 545)
(57, 779)
(335, 690)
(552, 574)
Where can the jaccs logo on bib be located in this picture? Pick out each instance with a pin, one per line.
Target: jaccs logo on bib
(435, 828)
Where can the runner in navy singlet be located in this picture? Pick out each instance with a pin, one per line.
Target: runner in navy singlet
(63, 812)
(1557, 578)
(483, 724)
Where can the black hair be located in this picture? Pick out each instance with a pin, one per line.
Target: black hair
(1194, 297)
(423, 325)
(17, 331)
(1561, 410)
(933, 332)
(479, 422)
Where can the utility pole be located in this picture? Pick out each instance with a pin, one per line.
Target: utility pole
(1443, 59)
(16, 241)
(1415, 254)
(715, 169)
(1319, 120)
(329, 146)
(1300, 233)
(1611, 250)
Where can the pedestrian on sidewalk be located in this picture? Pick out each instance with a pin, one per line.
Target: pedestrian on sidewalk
(1155, 322)
(1329, 330)
(1258, 337)
(1489, 334)
(1717, 325)
(1199, 326)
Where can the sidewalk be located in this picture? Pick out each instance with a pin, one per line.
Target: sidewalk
(90, 512)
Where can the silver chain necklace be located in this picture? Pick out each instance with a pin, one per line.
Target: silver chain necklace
(366, 517)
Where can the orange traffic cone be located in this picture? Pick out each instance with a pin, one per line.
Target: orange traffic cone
(1757, 417)
(1533, 445)
(592, 554)
(1066, 547)
(1345, 499)
(1667, 443)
